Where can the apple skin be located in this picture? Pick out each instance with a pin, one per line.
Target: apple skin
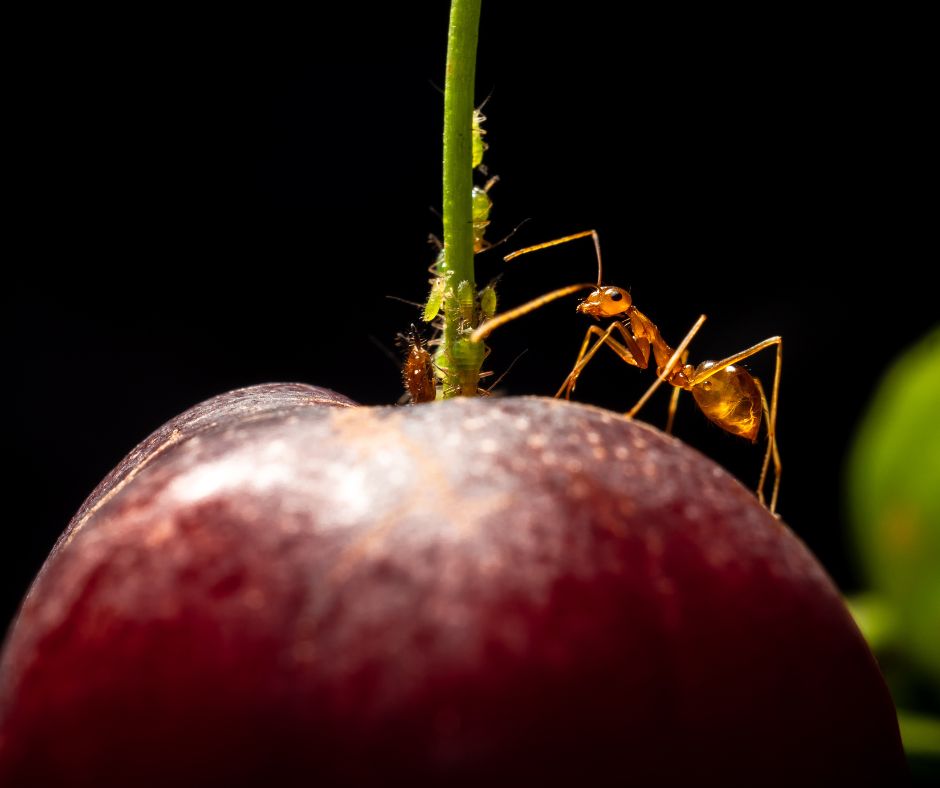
(279, 588)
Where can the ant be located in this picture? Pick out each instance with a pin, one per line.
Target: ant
(726, 393)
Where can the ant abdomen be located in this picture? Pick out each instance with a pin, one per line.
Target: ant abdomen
(730, 398)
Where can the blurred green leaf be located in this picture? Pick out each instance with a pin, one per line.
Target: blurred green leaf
(920, 733)
(894, 497)
(876, 620)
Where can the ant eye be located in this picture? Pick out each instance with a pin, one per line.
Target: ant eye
(614, 295)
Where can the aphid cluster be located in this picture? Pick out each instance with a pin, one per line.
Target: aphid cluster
(461, 306)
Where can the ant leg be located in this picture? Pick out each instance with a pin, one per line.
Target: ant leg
(628, 351)
(584, 356)
(567, 386)
(771, 449)
(673, 404)
(664, 375)
(674, 400)
(772, 420)
(482, 332)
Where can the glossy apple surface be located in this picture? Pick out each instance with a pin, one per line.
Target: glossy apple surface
(280, 588)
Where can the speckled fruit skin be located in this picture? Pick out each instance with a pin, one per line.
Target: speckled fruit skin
(280, 588)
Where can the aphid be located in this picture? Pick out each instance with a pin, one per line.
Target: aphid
(435, 299)
(466, 303)
(488, 301)
(481, 205)
(439, 283)
(458, 361)
(478, 146)
(725, 392)
(418, 371)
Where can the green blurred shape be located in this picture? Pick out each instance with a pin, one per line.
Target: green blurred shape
(876, 620)
(921, 737)
(894, 497)
(920, 733)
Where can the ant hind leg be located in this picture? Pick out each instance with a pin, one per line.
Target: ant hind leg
(772, 451)
(673, 404)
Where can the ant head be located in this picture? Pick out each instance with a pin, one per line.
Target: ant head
(606, 302)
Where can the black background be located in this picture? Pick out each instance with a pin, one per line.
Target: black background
(208, 203)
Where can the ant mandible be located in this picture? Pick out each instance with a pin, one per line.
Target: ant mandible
(726, 393)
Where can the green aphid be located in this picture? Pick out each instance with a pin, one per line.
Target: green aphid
(467, 359)
(488, 302)
(477, 143)
(481, 205)
(465, 301)
(435, 299)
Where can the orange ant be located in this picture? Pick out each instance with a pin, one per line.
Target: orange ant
(725, 392)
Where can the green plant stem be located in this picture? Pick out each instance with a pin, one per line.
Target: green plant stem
(458, 118)
(458, 171)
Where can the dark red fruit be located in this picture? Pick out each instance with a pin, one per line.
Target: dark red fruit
(278, 588)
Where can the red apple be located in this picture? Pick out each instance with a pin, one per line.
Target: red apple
(279, 588)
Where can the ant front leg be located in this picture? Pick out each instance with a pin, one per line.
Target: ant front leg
(629, 351)
(678, 354)
(584, 356)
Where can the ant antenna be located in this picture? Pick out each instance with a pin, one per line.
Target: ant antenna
(564, 240)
